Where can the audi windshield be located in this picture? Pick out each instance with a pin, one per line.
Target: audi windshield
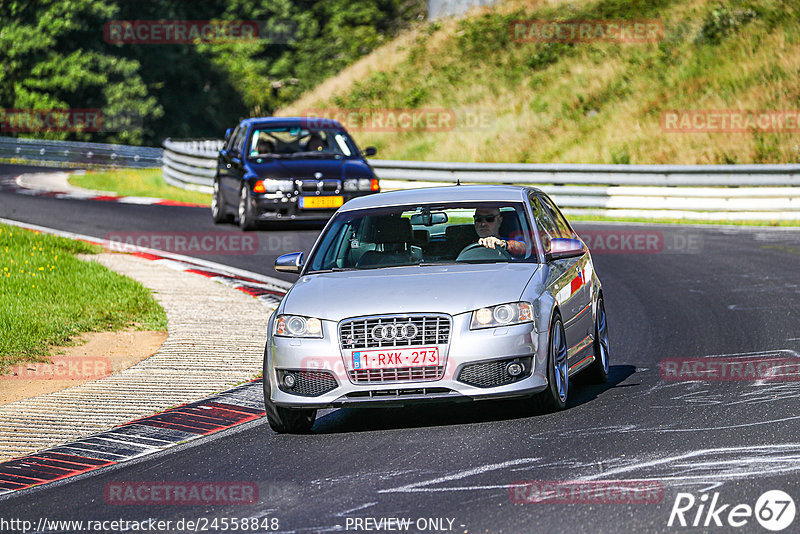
(426, 234)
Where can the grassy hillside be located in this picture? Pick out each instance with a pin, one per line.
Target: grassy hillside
(595, 102)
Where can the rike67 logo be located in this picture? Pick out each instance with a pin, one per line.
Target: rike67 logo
(774, 510)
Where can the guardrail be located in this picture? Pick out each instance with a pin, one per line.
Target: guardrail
(78, 154)
(192, 163)
(712, 192)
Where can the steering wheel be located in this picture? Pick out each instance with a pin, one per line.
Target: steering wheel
(476, 251)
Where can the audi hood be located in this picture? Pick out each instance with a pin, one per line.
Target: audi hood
(451, 289)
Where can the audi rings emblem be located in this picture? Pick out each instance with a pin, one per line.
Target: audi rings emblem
(395, 332)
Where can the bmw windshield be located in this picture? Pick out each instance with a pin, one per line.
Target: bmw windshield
(290, 142)
(487, 232)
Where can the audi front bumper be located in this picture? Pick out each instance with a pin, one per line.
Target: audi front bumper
(474, 367)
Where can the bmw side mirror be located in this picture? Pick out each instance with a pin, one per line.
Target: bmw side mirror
(290, 263)
(370, 151)
(228, 133)
(561, 248)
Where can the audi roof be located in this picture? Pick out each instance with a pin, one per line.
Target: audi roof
(452, 193)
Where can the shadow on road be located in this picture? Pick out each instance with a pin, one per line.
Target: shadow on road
(347, 420)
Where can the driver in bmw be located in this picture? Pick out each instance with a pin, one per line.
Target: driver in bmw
(487, 226)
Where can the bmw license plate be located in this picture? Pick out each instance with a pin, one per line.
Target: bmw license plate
(321, 202)
(390, 358)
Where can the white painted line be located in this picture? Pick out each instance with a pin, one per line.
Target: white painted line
(139, 200)
(418, 486)
(356, 509)
(748, 451)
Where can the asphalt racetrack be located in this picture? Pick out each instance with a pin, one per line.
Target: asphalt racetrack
(719, 295)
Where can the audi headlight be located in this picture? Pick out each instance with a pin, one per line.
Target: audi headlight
(298, 326)
(502, 315)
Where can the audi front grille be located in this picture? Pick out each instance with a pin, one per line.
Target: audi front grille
(397, 374)
(394, 331)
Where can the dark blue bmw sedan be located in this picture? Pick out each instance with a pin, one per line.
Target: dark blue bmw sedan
(288, 168)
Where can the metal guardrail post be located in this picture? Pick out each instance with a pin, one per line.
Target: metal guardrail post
(78, 154)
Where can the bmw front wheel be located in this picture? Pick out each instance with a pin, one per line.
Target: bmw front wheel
(218, 212)
(246, 216)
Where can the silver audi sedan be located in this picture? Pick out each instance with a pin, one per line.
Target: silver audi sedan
(438, 294)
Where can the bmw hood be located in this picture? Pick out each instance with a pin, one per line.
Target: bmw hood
(306, 168)
(450, 289)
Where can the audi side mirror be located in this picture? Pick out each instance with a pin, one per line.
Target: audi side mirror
(370, 151)
(561, 248)
(290, 263)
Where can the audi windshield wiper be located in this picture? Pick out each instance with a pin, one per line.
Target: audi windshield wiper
(332, 270)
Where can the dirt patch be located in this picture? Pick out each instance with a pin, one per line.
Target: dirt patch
(98, 354)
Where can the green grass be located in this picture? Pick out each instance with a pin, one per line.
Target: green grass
(137, 183)
(48, 296)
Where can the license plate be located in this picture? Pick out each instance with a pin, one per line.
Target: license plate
(321, 202)
(390, 358)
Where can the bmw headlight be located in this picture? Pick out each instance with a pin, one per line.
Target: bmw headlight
(298, 326)
(279, 185)
(502, 315)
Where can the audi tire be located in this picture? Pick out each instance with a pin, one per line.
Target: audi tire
(287, 420)
(554, 397)
(597, 372)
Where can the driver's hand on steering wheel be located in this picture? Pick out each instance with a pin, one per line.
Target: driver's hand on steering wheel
(493, 242)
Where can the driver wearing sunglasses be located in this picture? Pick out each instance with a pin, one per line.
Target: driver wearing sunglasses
(487, 226)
